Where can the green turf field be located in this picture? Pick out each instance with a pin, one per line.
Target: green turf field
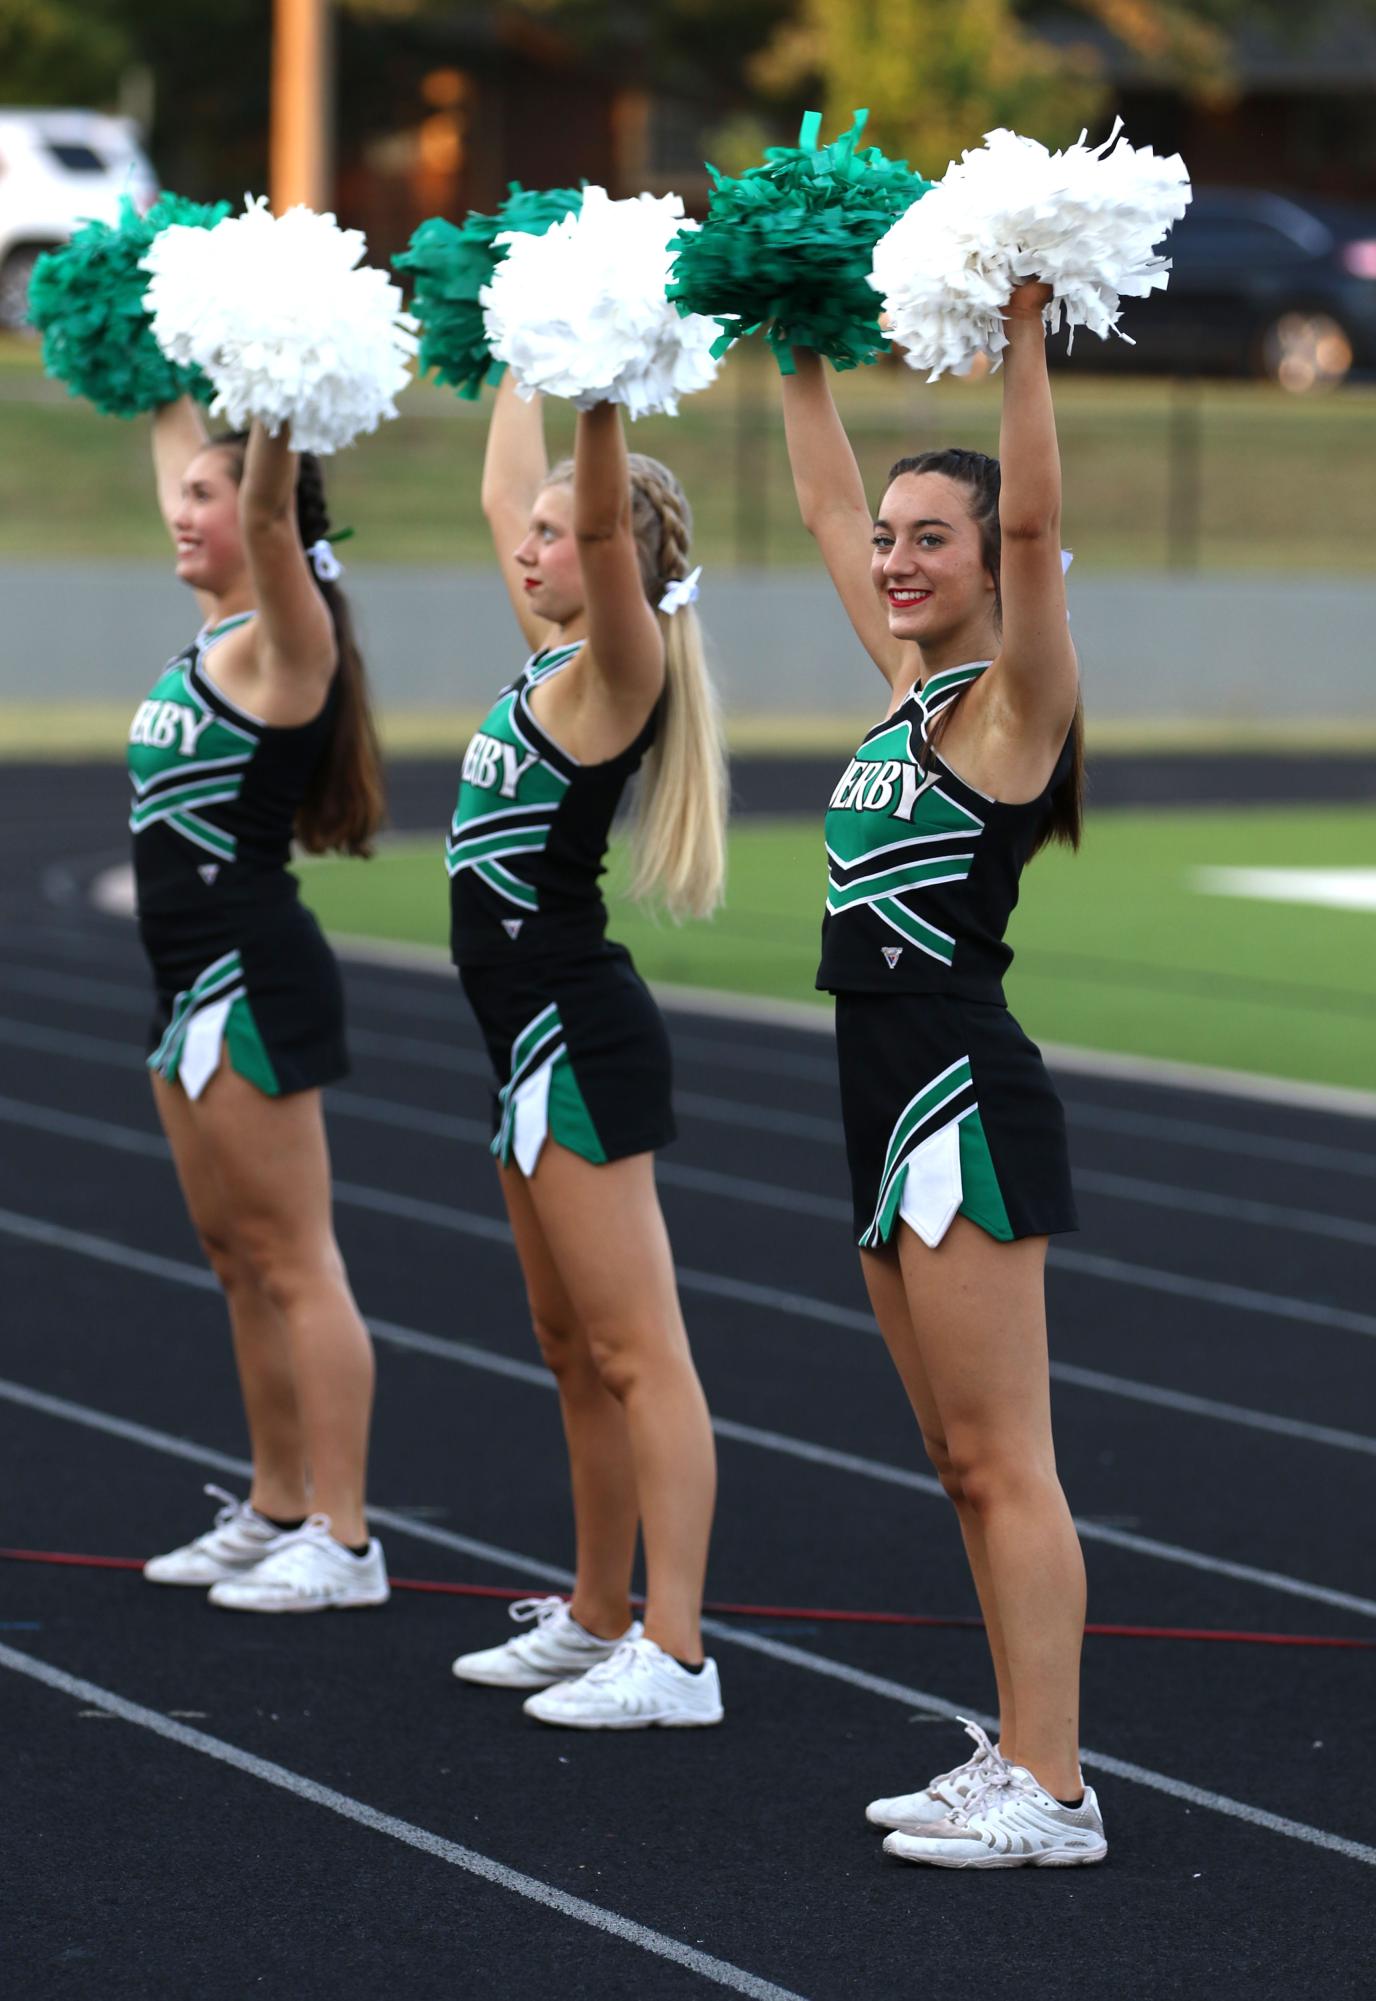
(1267, 478)
(1117, 947)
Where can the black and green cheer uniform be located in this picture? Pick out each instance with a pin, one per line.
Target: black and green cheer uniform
(947, 1105)
(577, 1043)
(238, 962)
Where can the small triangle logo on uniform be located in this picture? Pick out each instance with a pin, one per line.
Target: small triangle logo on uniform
(208, 872)
(512, 926)
(892, 955)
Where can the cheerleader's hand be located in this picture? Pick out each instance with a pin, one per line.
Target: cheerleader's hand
(1028, 301)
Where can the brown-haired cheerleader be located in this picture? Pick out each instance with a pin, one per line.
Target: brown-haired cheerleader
(257, 732)
(954, 1133)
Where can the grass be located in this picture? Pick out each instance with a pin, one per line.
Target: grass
(1116, 950)
(1282, 481)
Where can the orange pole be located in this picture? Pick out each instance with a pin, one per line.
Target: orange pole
(299, 165)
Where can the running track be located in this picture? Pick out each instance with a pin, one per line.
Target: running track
(209, 1806)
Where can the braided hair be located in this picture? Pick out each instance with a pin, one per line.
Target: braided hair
(679, 835)
(981, 478)
(342, 808)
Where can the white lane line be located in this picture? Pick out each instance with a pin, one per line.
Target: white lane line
(719, 1971)
(56, 1236)
(1223, 1139)
(801, 1658)
(79, 1126)
(1119, 1271)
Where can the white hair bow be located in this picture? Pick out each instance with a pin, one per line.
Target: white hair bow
(682, 591)
(324, 561)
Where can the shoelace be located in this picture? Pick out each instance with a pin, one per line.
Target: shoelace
(232, 1507)
(629, 1658)
(1001, 1785)
(984, 1754)
(541, 1610)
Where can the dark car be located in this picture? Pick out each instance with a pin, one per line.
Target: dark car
(1260, 284)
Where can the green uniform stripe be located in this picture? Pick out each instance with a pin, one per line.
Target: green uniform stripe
(926, 937)
(921, 1108)
(948, 683)
(507, 884)
(981, 1197)
(906, 875)
(204, 792)
(530, 1038)
(515, 841)
(205, 835)
(248, 1052)
(570, 1121)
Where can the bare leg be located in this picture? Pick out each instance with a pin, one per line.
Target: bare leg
(602, 1471)
(607, 1239)
(272, 1163)
(977, 1309)
(262, 1354)
(884, 1281)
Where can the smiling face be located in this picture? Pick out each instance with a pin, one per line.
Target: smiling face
(205, 527)
(548, 558)
(928, 564)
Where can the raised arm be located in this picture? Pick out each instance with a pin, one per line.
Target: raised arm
(625, 648)
(831, 500)
(515, 468)
(1038, 677)
(294, 636)
(178, 434)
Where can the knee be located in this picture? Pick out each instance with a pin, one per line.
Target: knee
(562, 1348)
(985, 1476)
(233, 1270)
(944, 1466)
(616, 1357)
(286, 1270)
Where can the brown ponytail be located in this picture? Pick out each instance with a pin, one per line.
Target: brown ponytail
(344, 805)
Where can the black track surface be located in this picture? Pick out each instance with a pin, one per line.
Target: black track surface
(134, 1866)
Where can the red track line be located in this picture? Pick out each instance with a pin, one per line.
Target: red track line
(813, 1614)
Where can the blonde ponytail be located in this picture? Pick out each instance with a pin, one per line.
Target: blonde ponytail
(678, 840)
(678, 835)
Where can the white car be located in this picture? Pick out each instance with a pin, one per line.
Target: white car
(59, 169)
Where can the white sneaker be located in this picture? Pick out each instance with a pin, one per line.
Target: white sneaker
(1009, 1822)
(556, 1649)
(639, 1685)
(912, 1813)
(308, 1571)
(240, 1539)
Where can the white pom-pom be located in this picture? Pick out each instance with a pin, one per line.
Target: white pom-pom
(282, 320)
(1085, 221)
(580, 312)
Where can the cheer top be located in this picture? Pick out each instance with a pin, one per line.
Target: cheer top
(216, 792)
(922, 869)
(528, 841)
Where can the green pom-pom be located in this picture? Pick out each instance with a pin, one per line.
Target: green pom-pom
(786, 247)
(452, 262)
(86, 300)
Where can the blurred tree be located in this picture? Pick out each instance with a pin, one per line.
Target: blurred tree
(935, 74)
(61, 51)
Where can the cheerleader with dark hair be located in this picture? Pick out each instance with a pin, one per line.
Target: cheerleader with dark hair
(258, 732)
